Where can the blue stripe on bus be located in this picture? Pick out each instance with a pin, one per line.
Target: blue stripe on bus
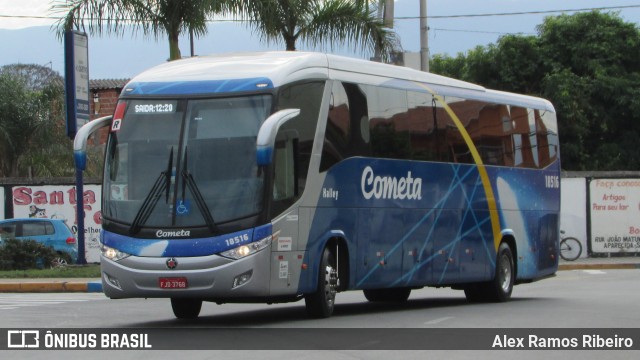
(197, 87)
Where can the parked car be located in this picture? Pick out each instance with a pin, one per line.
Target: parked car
(50, 232)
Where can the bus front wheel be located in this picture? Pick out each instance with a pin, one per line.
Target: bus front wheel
(186, 308)
(320, 303)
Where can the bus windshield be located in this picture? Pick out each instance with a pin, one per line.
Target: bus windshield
(194, 164)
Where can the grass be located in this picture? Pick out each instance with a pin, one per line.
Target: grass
(69, 271)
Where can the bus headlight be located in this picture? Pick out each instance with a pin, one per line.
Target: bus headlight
(246, 250)
(113, 254)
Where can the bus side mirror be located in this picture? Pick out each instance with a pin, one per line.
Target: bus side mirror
(267, 134)
(80, 141)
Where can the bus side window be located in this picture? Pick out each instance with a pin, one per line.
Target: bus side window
(285, 172)
(546, 136)
(307, 97)
(285, 167)
(337, 133)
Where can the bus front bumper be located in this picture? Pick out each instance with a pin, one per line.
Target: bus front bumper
(206, 277)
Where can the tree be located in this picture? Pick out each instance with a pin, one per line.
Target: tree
(588, 66)
(513, 64)
(319, 22)
(314, 21)
(32, 122)
(171, 17)
(590, 43)
(593, 77)
(448, 66)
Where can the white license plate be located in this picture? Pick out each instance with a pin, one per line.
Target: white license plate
(174, 283)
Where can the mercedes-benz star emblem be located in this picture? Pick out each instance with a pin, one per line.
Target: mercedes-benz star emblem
(172, 263)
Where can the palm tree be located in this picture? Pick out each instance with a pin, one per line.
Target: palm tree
(321, 22)
(152, 17)
(317, 22)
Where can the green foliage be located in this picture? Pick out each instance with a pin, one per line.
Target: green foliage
(448, 66)
(316, 22)
(25, 254)
(32, 126)
(322, 23)
(156, 18)
(590, 43)
(588, 66)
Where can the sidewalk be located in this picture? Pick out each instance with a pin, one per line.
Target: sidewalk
(50, 285)
(95, 285)
(618, 262)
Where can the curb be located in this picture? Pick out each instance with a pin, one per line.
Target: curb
(51, 286)
(625, 266)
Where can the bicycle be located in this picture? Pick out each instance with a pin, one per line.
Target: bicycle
(570, 248)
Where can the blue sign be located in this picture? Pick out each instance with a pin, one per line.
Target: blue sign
(76, 58)
(183, 208)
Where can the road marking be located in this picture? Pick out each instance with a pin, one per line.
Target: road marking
(595, 272)
(439, 320)
(12, 302)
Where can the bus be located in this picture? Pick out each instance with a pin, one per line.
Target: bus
(281, 176)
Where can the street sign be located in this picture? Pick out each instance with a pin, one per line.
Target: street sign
(76, 74)
(76, 57)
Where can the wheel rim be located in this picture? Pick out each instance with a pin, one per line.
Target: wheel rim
(505, 273)
(330, 282)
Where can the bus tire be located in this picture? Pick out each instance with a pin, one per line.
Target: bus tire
(184, 308)
(502, 284)
(499, 289)
(320, 303)
(387, 295)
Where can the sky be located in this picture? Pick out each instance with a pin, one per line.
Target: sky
(26, 38)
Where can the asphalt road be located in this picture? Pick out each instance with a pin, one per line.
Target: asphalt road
(595, 299)
(580, 298)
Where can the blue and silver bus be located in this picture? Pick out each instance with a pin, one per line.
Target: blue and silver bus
(282, 176)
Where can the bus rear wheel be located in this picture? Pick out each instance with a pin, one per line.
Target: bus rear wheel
(184, 308)
(499, 289)
(387, 295)
(320, 303)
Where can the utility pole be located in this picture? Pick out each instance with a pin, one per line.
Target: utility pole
(388, 13)
(424, 38)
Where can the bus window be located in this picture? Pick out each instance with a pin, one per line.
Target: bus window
(389, 123)
(337, 133)
(307, 97)
(422, 118)
(285, 167)
(546, 137)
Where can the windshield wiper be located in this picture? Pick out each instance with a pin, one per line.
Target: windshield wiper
(197, 195)
(162, 184)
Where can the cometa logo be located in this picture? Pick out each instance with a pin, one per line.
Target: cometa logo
(389, 187)
(178, 233)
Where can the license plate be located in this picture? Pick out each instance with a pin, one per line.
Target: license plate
(173, 283)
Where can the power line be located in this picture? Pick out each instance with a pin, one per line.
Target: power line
(229, 20)
(518, 13)
(481, 31)
(406, 17)
(30, 17)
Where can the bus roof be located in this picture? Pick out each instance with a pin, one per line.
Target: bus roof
(245, 71)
